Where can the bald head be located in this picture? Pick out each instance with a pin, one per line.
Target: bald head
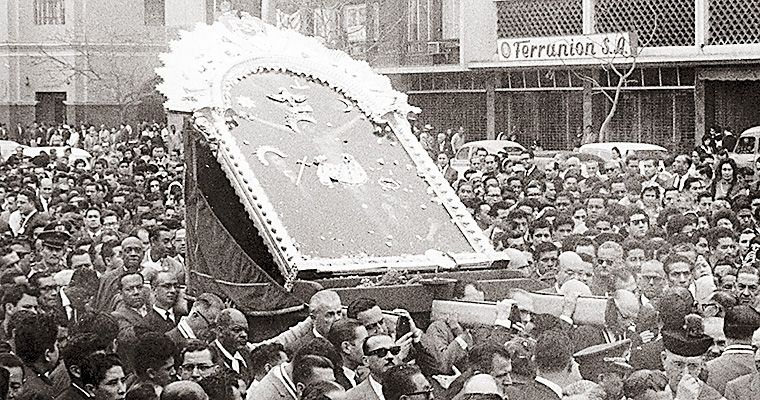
(325, 308)
(518, 261)
(482, 384)
(572, 266)
(232, 329)
(183, 390)
(132, 252)
(627, 303)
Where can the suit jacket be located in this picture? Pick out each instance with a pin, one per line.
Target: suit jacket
(440, 342)
(271, 387)
(746, 387)
(728, 367)
(36, 385)
(532, 390)
(127, 318)
(73, 393)
(450, 174)
(246, 371)
(109, 287)
(362, 391)
(291, 347)
(176, 337)
(154, 322)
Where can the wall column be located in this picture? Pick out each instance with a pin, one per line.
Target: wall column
(588, 108)
(491, 106)
(699, 109)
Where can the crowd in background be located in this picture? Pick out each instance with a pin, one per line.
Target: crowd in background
(92, 268)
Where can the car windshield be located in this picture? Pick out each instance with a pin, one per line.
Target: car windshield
(746, 145)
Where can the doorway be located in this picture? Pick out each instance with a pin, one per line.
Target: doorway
(50, 107)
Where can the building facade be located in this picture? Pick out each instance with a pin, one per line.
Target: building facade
(696, 64)
(86, 61)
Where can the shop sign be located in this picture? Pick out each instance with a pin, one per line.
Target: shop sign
(602, 47)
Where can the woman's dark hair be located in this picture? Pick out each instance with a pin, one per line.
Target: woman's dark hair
(720, 166)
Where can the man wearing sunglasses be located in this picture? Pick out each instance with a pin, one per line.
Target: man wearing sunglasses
(380, 354)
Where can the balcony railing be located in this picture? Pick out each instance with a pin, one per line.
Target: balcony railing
(420, 53)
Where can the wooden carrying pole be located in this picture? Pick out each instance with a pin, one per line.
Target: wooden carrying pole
(589, 310)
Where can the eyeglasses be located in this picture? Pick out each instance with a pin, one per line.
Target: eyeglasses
(641, 221)
(428, 393)
(192, 367)
(382, 352)
(48, 288)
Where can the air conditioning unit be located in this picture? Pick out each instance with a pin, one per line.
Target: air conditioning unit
(435, 47)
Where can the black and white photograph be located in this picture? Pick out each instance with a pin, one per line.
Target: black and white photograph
(379, 199)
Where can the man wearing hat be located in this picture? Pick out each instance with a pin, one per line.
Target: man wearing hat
(606, 365)
(54, 238)
(739, 325)
(683, 360)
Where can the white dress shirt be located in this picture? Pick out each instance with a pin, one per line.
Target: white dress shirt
(376, 387)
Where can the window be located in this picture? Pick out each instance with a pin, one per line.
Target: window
(49, 12)
(155, 12)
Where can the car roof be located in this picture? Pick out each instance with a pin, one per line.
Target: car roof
(754, 131)
(623, 146)
(494, 146)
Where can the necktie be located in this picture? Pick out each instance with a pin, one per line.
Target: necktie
(169, 316)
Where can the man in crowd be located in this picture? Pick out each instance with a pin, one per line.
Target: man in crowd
(380, 354)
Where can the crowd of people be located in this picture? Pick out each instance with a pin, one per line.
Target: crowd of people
(92, 271)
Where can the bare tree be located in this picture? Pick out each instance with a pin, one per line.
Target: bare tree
(622, 65)
(118, 69)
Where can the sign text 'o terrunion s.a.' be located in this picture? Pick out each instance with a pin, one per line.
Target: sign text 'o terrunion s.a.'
(602, 47)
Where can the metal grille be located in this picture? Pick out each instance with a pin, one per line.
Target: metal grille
(452, 110)
(520, 18)
(660, 117)
(656, 22)
(734, 22)
(49, 12)
(550, 119)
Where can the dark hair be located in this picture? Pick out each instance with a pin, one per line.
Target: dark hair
(195, 345)
(398, 381)
(142, 391)
(304, 366)
(554, 352)
(360, 305)
(319, 390)
(540, 224)
(545, 247)
(268, 353)
(218, 386)
(34, 336)
(96, 366)
(480, 356)
(79, 348)
(343, 330)
(128, 273)
(13, 294)
(672, 259)
(102, 324)
(461, 285)
(715, 234)
(151, 352)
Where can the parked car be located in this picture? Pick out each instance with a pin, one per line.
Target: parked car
(604, 150)
(76, 153)
(746, 150)
(461, 160)
(7, 148)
